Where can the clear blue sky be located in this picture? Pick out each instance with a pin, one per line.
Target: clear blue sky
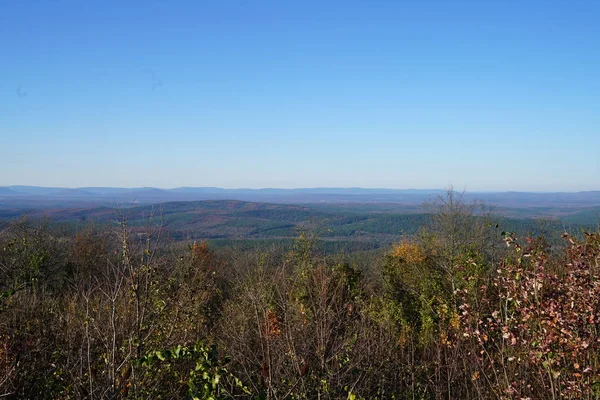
(484, 95)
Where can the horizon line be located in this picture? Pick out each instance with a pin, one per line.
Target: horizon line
(299, 188)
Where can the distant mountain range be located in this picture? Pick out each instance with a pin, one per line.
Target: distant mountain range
(534, 203)
(36, 196)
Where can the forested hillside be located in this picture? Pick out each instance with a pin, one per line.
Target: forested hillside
(341, 227)
(459, 308)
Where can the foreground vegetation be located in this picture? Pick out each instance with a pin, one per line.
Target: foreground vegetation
(459, 310)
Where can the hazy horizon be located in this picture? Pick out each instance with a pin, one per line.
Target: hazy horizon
(458, 190)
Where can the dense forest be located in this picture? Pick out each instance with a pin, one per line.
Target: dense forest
(464, 307)
(342, 227)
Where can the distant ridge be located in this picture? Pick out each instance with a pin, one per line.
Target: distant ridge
(5, 191)
(19, 196)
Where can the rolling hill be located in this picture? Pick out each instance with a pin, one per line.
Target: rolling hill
(353, 226)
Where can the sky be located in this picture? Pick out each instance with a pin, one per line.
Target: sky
(481, 95)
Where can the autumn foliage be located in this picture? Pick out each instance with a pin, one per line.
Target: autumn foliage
(537, 330)
(459, 311)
